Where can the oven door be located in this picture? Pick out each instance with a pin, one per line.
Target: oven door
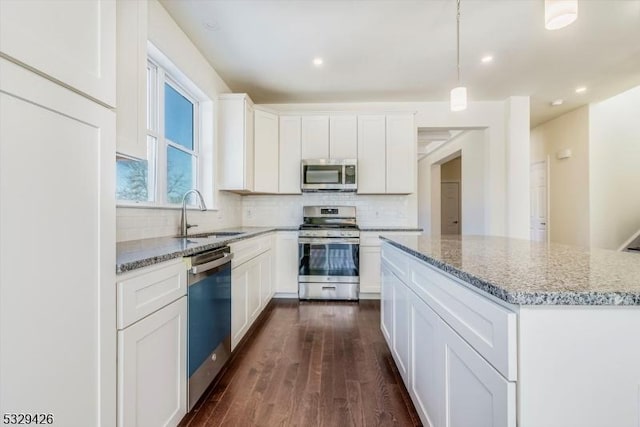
(328, 260)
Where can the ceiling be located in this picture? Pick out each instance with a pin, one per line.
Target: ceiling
(404, 50)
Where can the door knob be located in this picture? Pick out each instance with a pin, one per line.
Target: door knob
(455, 222)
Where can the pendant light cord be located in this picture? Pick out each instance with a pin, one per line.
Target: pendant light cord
(458, 39)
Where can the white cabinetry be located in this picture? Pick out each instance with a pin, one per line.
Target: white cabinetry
(287, 263)
(131, 85)
(450, 382)
(343, 137)
(372, 155)
(266, 168)
(315, 137)
(290, 145)
(401, 154)
(370, 258)
(251, 287)
(152, 345)
(71, 42)
(236, 143)
(57, 319)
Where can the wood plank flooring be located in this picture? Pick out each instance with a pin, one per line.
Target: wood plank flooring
(310, 364)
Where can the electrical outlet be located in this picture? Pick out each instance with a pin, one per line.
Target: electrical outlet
(249, 213)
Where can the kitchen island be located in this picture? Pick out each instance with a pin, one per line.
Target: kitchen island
(490, 331)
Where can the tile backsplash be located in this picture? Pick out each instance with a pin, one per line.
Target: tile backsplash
(141, 223)
(264, 210)
(371, 210)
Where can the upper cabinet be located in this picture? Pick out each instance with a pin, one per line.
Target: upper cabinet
(266, 152)
(289, 170)
(329, 137)
(401, 154)
(386, 154)
(343, 137)
(315, 137)
(372, 154)
(235, 142)
(71, 42)
(131, 85)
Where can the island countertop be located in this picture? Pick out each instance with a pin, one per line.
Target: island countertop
(531, 273)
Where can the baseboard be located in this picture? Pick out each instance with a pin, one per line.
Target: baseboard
(370, 295)
(288, 295)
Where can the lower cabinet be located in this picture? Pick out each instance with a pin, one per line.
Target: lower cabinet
(251, 285)
(152, 369)
(152, 345)
(450, 383)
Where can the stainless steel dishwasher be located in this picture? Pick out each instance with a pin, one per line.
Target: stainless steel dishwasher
(209, 304)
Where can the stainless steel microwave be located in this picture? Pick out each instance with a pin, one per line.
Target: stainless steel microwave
(329, 175)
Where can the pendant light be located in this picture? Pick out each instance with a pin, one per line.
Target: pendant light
(559, 13)
(459, 93)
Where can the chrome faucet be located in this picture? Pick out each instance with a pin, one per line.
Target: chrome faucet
(184, 225)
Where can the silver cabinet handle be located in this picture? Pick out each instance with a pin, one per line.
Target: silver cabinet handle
(329, 287)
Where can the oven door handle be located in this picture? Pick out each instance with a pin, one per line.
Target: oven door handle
(329, 240)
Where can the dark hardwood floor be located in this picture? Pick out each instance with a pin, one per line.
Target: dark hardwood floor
(310, 364)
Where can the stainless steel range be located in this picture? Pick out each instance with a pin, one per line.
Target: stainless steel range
(329, 254)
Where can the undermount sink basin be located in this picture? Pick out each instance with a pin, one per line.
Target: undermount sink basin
(213, 234)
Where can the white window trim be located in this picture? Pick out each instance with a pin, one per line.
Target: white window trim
(203, 136)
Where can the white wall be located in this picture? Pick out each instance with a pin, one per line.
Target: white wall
(518, 152)
(139, 223)
(475, 209)
(614, 169)
(569, 178)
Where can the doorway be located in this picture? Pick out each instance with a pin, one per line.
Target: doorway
(450, 180)
(539, 202)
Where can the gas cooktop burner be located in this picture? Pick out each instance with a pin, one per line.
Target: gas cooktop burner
(328, 226)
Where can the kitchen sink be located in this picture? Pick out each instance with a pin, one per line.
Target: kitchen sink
(211, 235)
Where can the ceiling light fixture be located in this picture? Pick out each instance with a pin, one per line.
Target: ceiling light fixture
(459, 93)
(581, 89)
(559, 13)
(318, 62)
(557, 102)
(487, 58)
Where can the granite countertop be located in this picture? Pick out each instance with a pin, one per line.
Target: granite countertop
(531, 273)
(379, 228)
(136, 254)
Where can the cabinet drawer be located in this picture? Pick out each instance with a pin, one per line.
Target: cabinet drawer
(144, 291)
(245, 250)
(488, 327)
(396, 261)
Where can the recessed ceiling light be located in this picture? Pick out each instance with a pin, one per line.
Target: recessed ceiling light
(581, 89)
(487, 58)
(317, 62)
(211, 25)
(557, 102)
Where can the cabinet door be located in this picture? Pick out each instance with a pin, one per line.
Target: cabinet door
(235, 136)
(253, 288)
(290, 156)
(401, 154)
(369, 269)
(131, 85)
(372, 155)
(386, 304)
(287, 262)
(57, 321)
(152, 369)
(426, 362)
(73, 42)
(239, 307)
(400, 304)
(343, 137)
(266, 152)
(315, 137)
(475, 394)
(265, 278)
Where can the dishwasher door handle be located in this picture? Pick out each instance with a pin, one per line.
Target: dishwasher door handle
(196, 269)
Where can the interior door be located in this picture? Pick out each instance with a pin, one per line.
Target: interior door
(538, 193)
(450, 208)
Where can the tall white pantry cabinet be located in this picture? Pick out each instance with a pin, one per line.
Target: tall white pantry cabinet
(57, 210)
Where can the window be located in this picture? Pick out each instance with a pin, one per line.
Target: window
(173, 144)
